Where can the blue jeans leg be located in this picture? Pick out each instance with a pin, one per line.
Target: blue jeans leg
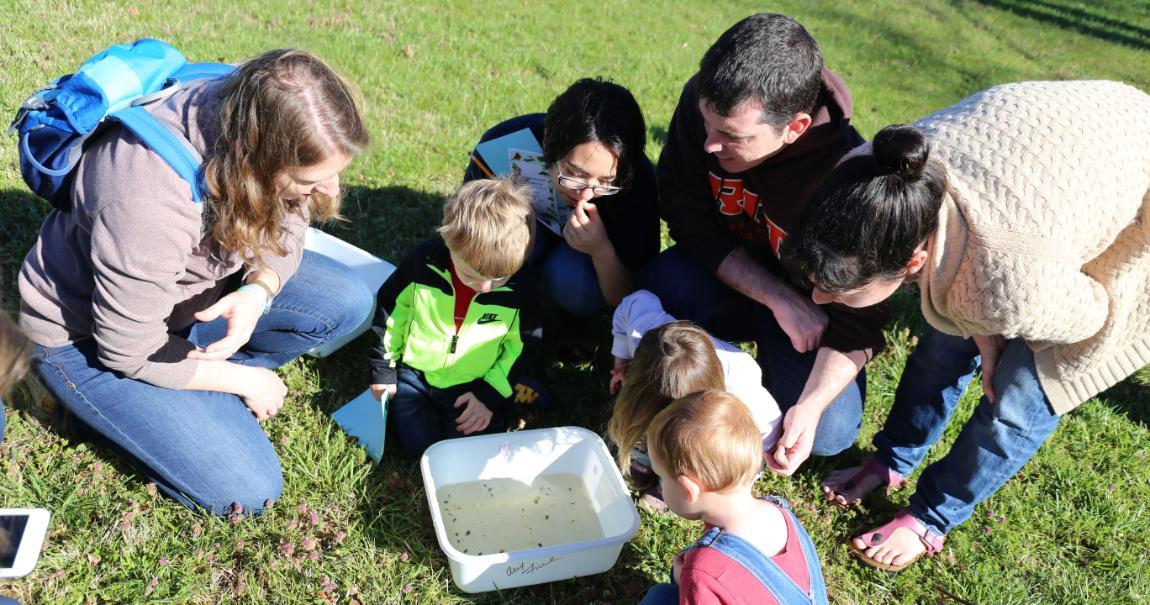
(661, 594)
(997, 441)
(785, 371)
(935, 376)
(570, 279)
(689, 291)
(322, 301)
(412, 413)
(204, 448)
(422, 414)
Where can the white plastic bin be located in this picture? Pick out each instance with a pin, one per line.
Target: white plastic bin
(524, 456)
(370, 268)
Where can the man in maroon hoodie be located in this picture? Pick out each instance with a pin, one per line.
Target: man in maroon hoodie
(756, 131)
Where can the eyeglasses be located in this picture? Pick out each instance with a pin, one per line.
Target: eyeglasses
(577, 185)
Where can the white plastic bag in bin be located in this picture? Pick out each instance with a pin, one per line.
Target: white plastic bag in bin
(372, 269)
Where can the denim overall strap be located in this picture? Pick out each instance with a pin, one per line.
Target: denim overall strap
(765, 570)
(814, 568)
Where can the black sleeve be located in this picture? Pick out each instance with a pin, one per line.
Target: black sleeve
(851, 329)
(633, 223)
(530, 326)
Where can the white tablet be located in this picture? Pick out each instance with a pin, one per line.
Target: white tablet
(22, 533)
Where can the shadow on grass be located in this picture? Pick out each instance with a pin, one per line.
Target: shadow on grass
(1131, 397)
(1075, 18)
(387, 221)
(23, 213)
(658, 133)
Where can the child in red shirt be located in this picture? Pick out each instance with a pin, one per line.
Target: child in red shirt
(707, 451)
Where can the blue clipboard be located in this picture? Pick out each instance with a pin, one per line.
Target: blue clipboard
(365, 418)
(494, 152)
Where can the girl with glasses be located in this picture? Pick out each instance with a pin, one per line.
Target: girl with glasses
(602, 189)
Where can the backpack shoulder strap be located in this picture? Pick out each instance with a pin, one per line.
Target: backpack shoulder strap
(169, 145)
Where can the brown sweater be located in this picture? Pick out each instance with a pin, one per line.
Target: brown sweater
(1045, 234)
(130, 264)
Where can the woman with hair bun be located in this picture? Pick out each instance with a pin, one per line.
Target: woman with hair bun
(1023, 215)
(157, 327)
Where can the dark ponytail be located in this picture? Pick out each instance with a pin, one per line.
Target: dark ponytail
(870, 215)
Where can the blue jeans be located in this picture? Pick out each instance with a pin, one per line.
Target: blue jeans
(423, 414)
(689, 291)
(994, 444)
(204, 448)
(567, 274)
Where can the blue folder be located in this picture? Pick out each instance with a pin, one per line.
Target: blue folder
(365, 418)
(494, 152)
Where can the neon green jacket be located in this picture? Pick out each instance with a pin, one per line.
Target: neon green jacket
(415, 326)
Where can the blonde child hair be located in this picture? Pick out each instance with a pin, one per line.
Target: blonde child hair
(15, 353)
(710, 437)
(671, 361)
(491, 225)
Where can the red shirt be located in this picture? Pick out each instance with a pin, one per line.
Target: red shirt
(710, 577)
(463, 296)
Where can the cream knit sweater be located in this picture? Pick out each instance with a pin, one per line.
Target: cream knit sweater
(1045, 233)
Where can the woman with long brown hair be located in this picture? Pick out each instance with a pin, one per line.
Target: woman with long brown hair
(156, 325)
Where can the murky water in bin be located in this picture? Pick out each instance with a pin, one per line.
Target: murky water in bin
(503, 515)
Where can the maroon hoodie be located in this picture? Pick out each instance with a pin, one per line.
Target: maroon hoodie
(710, 211)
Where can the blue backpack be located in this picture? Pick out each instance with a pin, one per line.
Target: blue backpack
(114, 85)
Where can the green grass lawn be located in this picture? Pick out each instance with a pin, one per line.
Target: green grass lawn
(1070, 528)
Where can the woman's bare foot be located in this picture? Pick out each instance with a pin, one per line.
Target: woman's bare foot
(896, 544)
(899, 549)
(848, 486)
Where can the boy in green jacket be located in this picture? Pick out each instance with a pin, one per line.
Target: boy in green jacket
(458, 322)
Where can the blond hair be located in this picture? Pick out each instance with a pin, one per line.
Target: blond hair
(15, 353)
(671, 361)
(279, 112)
(491, 225)
(710, 437)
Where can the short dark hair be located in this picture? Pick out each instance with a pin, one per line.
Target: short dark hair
(870, 214)
(593, 109)
(766, 57)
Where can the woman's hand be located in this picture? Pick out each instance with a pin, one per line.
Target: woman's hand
(243, 311)
(377, 390)
(618, 373)
(263, 393)
(990, 350)
(584, 230)
(475, 416)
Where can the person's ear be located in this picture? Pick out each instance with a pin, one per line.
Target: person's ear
(691, 487)
(917, 261)
(797, 127)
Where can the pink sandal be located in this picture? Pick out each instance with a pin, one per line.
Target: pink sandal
(870, 468)
(932, 540)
